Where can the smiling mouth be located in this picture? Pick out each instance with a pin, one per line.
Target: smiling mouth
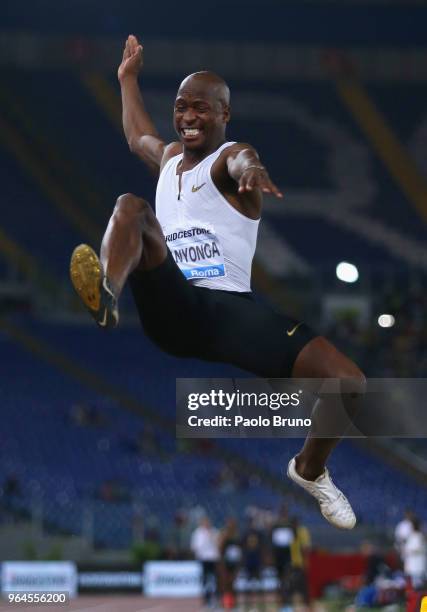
(190, 132)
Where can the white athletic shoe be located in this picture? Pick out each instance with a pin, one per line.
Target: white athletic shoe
(334, 505)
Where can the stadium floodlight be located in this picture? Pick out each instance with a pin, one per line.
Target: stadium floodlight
(386, 320)
(347, 272)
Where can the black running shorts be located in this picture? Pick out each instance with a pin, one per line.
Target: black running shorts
(214, 325)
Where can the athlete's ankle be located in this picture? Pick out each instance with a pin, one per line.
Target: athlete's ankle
(308, 469)
(114, 287)
(113, 284)
(113, 277)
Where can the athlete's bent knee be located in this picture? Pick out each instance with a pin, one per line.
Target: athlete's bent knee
(130, 205)
(352, 379)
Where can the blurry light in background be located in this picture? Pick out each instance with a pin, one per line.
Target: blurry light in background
(347, 272)
(386, 320)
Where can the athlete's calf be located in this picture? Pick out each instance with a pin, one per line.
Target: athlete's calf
(320, 360)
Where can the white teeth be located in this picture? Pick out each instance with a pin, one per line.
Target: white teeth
(190, 132)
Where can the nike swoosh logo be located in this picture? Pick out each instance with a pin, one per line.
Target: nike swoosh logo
(293, 330)
(103, 323)
(194, 189)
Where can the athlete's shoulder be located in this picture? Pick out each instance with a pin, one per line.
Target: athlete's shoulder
(233, 150)
(171, 150)
(236, 147)
(229, 153)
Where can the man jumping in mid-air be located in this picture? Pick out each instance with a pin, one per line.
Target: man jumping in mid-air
(189, 266)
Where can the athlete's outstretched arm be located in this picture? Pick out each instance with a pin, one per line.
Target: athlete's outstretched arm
(140, 132)
(245, 167)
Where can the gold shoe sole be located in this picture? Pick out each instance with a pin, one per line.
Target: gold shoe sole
(86, 275)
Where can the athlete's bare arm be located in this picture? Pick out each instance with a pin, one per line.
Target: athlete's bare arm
(140, 132)
(241, 177)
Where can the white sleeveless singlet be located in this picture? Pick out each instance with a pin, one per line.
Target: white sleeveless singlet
(212, 243)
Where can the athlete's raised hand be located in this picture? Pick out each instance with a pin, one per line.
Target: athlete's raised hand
(256, 177)
(132, 58)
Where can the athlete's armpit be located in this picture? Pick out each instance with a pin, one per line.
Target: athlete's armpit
(169, 151)
(150, 149)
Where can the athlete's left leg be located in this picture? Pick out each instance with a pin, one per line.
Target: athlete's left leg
(321, 360)
(253, 337)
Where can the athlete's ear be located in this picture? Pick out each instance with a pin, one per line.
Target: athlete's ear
(226, 113)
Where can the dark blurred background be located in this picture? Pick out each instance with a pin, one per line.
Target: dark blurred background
(334, 97)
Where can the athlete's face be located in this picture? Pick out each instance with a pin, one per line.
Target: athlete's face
(200, 117)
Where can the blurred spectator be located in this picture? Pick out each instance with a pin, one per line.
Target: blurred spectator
(180, 535)
(403, 530)
(261, 519)
(252, 544)
(205, 546)
(375, 564)
(415, 555)
(282, 537)
(231, 557)
(152, 529)
(300, 547)
(253, 547)
(380, 585)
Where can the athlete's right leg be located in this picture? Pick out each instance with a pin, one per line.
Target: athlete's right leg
(133, 240)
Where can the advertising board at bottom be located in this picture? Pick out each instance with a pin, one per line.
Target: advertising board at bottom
(39, 577)
(172, 579)
(155, 579)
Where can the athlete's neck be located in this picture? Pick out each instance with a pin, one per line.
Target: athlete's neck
(192, 157)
